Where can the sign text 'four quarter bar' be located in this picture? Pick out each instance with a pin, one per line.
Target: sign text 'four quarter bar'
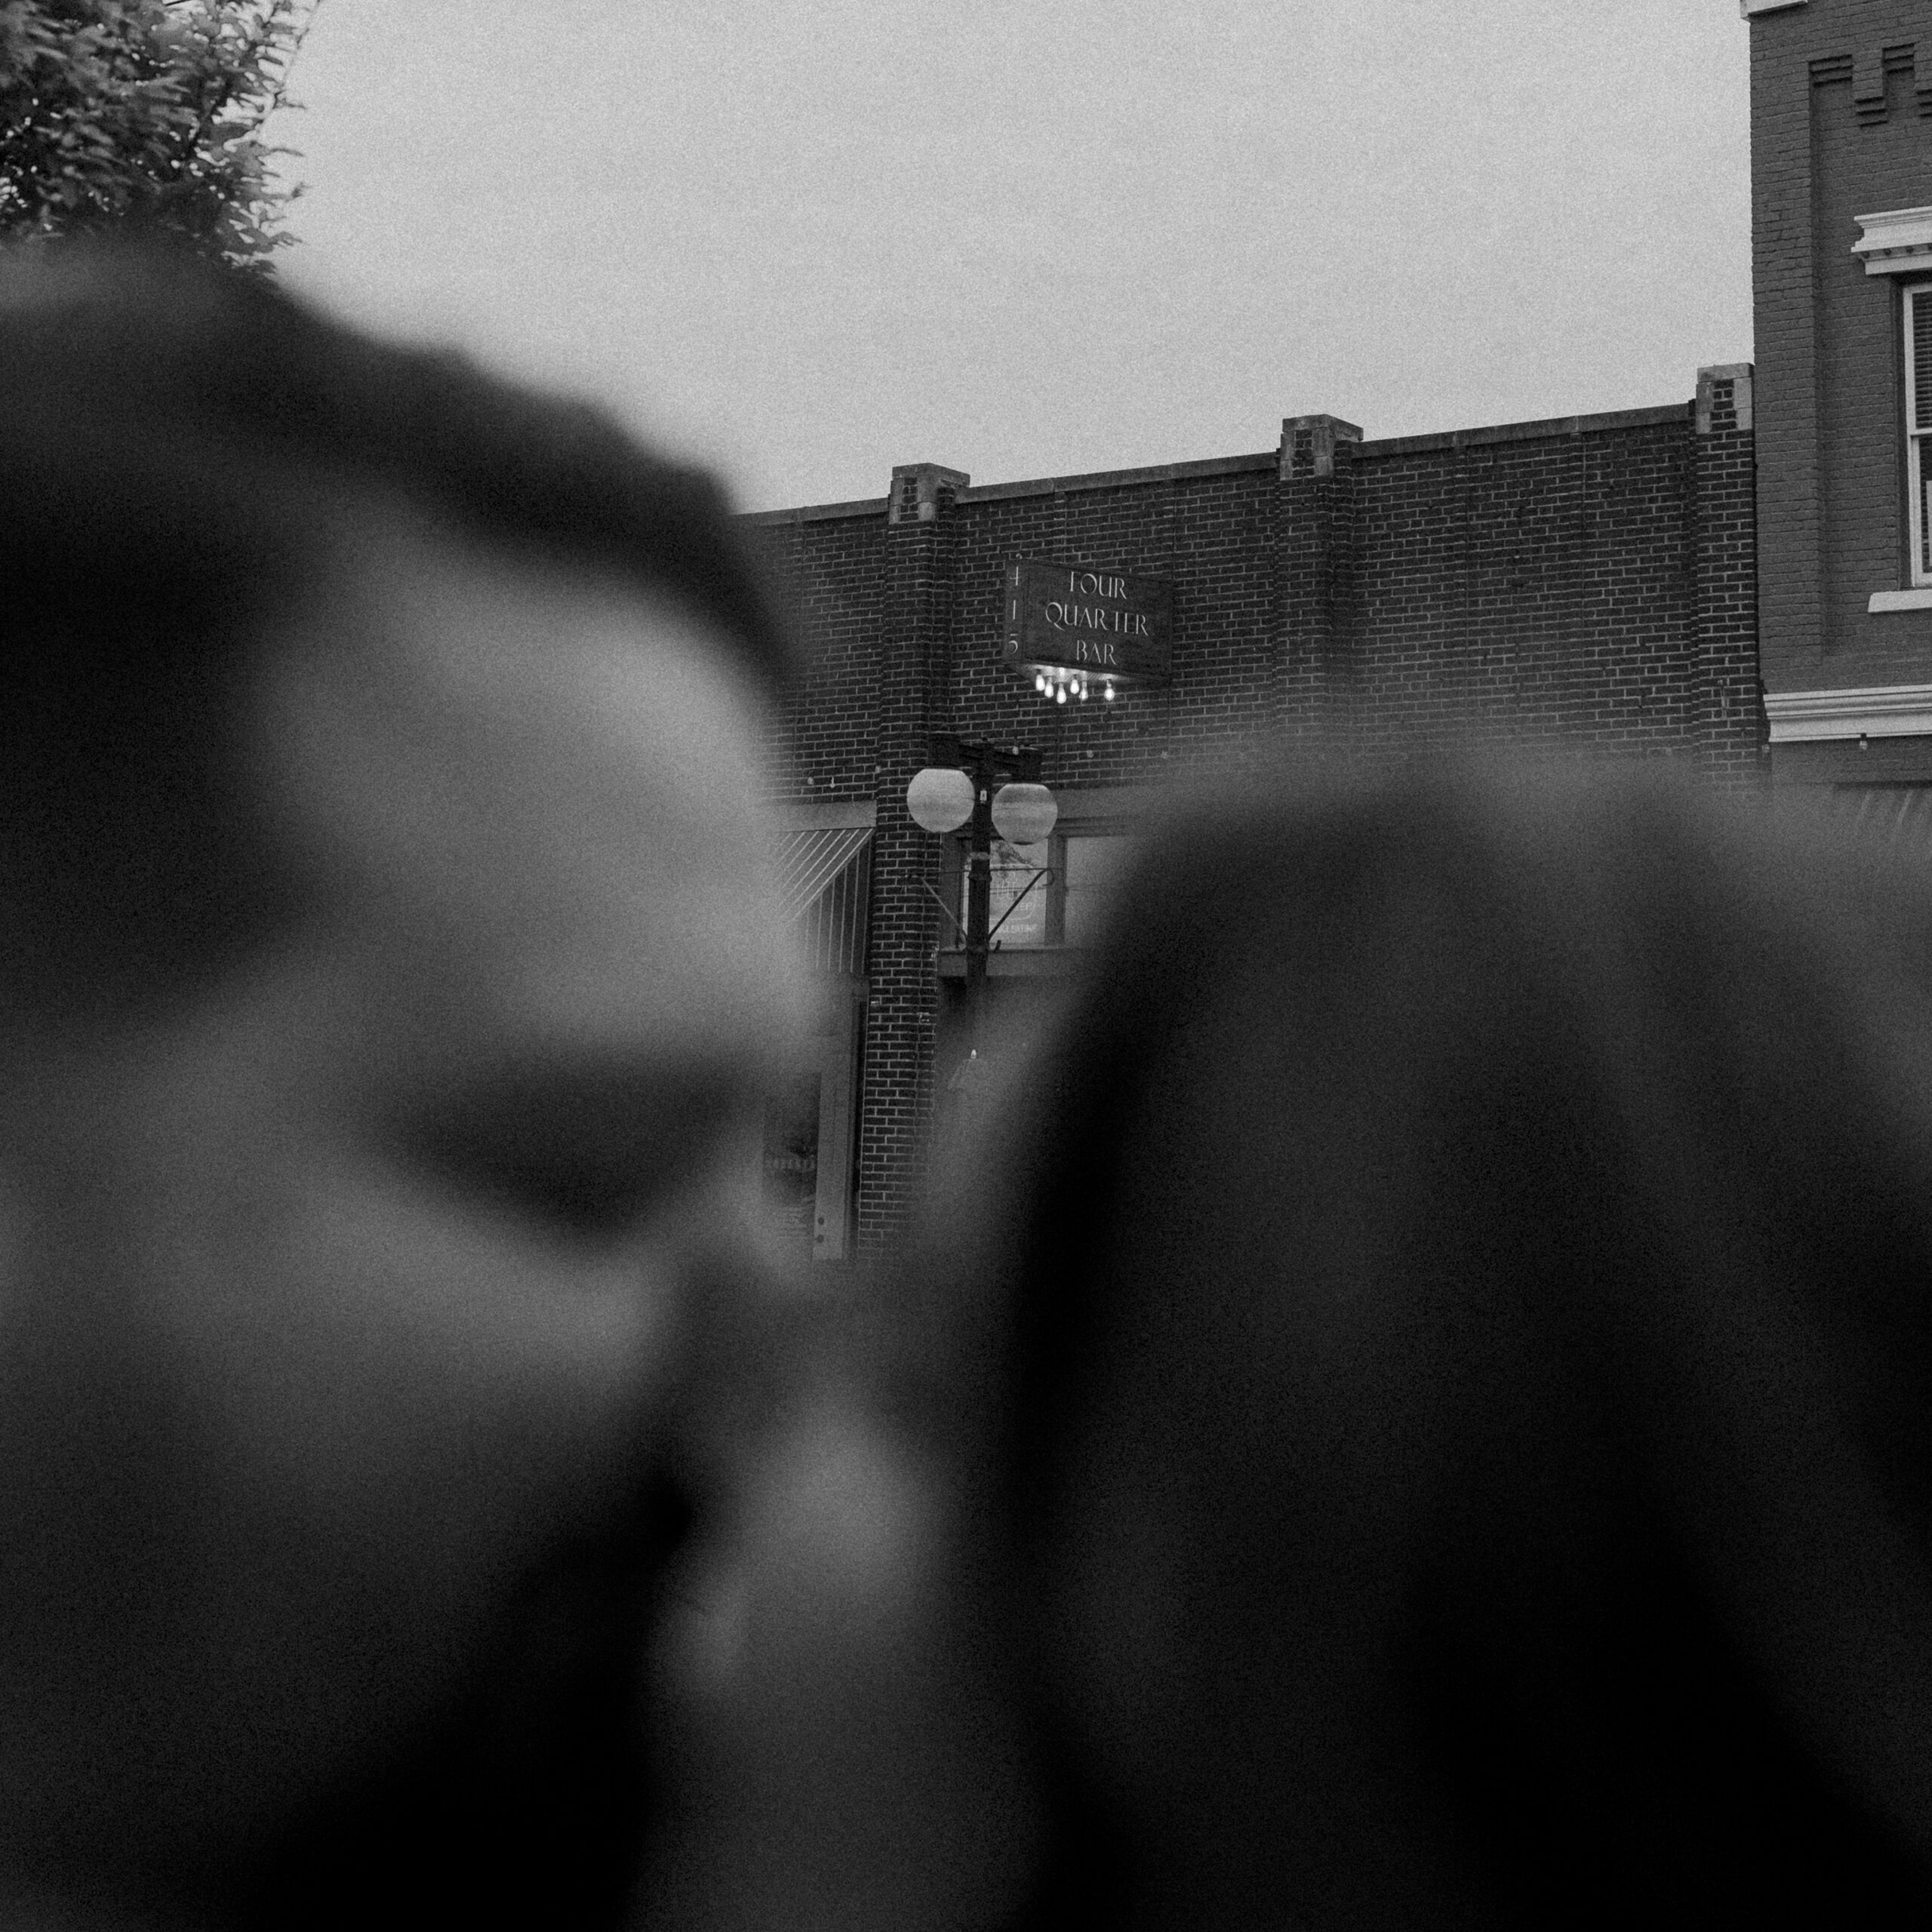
(1099, 621)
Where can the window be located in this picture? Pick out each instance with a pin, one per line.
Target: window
(1017, 898)
(1093, 869)
(1918, 425)
(1896, 243)
(1058, 893)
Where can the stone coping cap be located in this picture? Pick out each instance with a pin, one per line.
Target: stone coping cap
(1269, 459)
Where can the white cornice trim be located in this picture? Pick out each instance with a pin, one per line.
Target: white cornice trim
(1876, 711)
(1895, 242)
(1749, 8)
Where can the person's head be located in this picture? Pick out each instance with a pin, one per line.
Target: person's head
(1455, 1294)
(387, 976)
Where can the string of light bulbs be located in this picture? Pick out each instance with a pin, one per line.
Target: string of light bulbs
(1059, 684)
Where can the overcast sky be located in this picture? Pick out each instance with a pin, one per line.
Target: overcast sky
(809, 239)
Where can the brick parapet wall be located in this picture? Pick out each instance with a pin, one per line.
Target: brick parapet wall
(830, 577)
(1730, 737)
(1317, 557)
(1537, 591)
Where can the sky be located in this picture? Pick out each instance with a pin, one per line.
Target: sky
(805, 241)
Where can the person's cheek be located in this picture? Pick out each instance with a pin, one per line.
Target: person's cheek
(367, 1409)
(840, 1754)
(435, 1375)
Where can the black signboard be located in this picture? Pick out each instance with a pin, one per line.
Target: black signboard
(1102, 622)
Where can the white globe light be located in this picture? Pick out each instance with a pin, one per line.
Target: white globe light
(1023, 814)
(940, 798)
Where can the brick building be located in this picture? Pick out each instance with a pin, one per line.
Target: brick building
(1587, 583)
(1841, 224)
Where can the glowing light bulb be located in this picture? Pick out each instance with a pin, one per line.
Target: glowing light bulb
(1110, 690)
(1059, 696)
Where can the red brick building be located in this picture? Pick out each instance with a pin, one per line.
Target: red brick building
(1841, 176)
(1587, 583)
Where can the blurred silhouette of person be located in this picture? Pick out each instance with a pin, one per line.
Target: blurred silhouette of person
(1429, 1418)
(1468, 1289)
(389, 980)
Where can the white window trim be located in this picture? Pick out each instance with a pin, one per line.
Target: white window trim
(1870, 711)
(1894, 241)
(1918, 576)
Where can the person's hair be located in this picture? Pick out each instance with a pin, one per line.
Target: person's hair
(180, 448)
(1447, 1315)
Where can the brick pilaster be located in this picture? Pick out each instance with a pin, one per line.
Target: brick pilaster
(1729, 722)
(1315, 557)
(1785, 288)
(915, 655)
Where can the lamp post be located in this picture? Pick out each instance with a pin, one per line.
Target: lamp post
(993, 788)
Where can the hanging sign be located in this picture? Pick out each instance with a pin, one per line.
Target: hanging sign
(1104, 623)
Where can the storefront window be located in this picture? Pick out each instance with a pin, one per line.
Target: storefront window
(1058, 893)
(1094, 869)
(1019, 895)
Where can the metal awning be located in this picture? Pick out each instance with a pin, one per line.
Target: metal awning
(824, 882)
(808, 862)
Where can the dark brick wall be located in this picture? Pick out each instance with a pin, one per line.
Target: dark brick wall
(898, 1057)
(1840, 91)
(1790, 611)
(1588, 583)
(1215, 537)
(1537, 590)
(1727, 718)
(830, 574)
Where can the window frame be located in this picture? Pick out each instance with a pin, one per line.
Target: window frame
(1919, 572)
(1097, 828)
(1070, 827)
(952, 941)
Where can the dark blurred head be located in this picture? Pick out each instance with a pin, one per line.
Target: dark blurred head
(1457, 1367)
(190, 461)
(389, 977)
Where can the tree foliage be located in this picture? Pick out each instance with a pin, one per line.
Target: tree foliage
(146, 115)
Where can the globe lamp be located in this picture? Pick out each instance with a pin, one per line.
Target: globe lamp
(1023, 814)
(941, 798)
